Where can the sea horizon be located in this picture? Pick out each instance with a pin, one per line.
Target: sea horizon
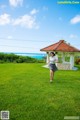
(33, 55)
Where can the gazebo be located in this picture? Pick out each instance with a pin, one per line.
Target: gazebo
(64, 49)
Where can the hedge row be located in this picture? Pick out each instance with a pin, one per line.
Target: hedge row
(77, 61)
(9, 58)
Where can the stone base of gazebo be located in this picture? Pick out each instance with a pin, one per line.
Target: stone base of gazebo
(63, 66)
(60, 66)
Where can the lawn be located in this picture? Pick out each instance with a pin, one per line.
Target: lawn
(26, 92)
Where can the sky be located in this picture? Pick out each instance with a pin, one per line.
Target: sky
(29, 25)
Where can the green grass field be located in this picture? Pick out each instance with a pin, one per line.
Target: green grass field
(26, 92)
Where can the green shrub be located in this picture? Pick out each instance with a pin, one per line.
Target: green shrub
(77, 61)
(1, 61)
(19, 61)
(9, 58)
(41, 61)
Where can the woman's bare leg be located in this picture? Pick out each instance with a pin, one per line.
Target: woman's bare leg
(51, 75)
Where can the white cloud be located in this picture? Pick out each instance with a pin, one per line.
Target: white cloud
(4, 19)
(75, 20)
(34, 11)
(9, 37)
(27, 21)
(15, 3)
(73, 36)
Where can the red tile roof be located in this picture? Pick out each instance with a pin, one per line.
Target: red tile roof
(60, 46)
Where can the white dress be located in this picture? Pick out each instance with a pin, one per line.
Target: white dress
(52, 61)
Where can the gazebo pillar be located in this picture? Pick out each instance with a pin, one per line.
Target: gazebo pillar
(71, 61)
(47, 60)
(63, 57)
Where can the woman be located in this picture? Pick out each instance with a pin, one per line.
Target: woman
(52, 60)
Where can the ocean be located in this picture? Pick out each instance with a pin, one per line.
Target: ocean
(38, 56)
(33, 55)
